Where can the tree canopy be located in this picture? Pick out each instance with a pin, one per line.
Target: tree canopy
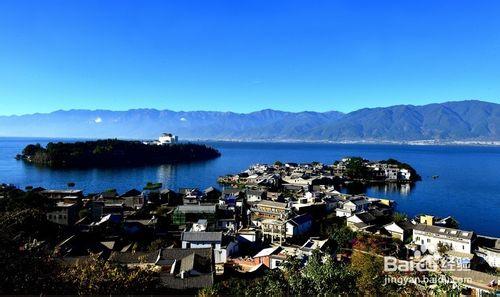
(113, 152)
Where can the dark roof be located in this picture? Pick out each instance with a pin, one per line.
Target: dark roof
(196, 262)
(177, 254)
(131, 193)
(366, 217)
(255, 192)
(292, 187)
(190, 259)
(406, 225)
(491, 243)
(167, 191)
(299, 220)
(358, 200)
(201, 236)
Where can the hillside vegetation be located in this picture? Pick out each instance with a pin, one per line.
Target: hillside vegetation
(113, 152)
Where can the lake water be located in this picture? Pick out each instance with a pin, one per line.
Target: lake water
(468, 186)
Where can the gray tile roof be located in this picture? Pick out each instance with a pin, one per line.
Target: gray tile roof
(196, 208)
(444, 231)
(270, 203)
(197, 259)
(201, 236)
(177, 254)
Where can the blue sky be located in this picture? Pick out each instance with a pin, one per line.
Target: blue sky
(245, 55)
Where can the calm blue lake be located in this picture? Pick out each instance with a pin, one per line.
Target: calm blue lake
(468, 186)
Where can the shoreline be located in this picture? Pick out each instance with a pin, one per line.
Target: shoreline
(427, 142)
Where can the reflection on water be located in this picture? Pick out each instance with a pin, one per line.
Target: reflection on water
(165, 174)
(392, 188)
(378, 190)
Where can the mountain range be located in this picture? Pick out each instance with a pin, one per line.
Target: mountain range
(469, 120)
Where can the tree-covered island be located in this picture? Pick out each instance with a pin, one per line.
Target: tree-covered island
(114, 152)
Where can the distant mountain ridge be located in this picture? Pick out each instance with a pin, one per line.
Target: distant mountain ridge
(451, 121)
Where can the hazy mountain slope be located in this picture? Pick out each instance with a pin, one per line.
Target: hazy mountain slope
(463, 120)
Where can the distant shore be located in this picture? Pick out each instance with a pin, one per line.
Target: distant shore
(370, 142)
(424, 142)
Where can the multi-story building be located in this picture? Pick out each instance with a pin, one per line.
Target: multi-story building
(431, 237)
(267, 209)
(167, 138)
(352, 206)
(488, 249)
(63, 213)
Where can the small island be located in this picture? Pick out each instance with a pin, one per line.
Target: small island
(114, 152)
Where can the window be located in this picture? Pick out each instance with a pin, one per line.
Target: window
(463, 247)
(428, 240)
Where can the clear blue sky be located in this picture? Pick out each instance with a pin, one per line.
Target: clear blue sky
(245, 55)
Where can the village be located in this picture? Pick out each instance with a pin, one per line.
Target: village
(258, 219)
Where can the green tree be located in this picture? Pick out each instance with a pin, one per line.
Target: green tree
(399, 217)
(327, 277)
(341, 237)
(356, 169)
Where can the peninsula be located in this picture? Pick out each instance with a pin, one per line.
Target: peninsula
(114, 152)
(347, 171)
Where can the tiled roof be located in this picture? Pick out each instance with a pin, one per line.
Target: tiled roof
(195, 208)
(270, 203)
(177, 254)
(201, 236)
(444, 231)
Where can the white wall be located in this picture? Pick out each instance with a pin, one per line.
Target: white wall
(431, 242)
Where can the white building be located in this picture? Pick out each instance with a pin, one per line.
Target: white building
(298, 225)
(353, 205)
(199, 240)
(488, 248)
(431, 236)
(167, 138)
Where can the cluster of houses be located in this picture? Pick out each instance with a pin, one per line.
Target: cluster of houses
(312, 173)
(191, 236)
